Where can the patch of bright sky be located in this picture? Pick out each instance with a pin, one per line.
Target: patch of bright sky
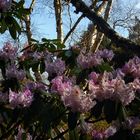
(45, 23)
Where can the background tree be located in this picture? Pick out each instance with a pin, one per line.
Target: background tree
(134, 32)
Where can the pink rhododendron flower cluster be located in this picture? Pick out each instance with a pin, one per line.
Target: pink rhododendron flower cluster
(72, 96)
(132, 67)
(112, 88)
(105, 53)
(77, 100)
(56, 67)
(20, 99)
(59, 85)
(90, 59)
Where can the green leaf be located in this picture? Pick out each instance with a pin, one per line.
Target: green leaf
(24, 136)
(96, 111)
(34, 40)
(20, 3)
(122, 112)
(13, 26)
(68, 53)
(44, 40)
(13, 32)
(72, 120)
(3, 27)
(16, 25)
(73, 134)
(104, 67)
(85, 137)
(42, 67)
(110, 110)
(59, 45)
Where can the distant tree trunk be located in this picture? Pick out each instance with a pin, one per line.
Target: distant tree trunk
(88, 38)
(100, 35)
(58, 17)
(94, 32)
(27, 21)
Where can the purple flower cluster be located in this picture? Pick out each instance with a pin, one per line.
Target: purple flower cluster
(3, 97)
(110, 131)
(131, 122)
(132, 67)
(93, 59)
(136, 84)
(60, 85)
(104, 134)
(21, 99)
(8, 52)
(13, 72)
(88, 60)
(5, 5)
(106, 87)
(32, 86)
(37, 55)
(106, 54)
(56, 67)
(77, 100)
(98, 135)
(21, 131)
(72, 96)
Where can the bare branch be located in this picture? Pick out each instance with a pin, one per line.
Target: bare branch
(73, 28)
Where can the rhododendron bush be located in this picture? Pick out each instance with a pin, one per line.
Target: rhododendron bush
(50, 91)
(62, 93)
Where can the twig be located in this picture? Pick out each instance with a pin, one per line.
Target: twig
(73, 28)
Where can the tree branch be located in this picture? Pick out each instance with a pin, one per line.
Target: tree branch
(73, 28)
(105, 28)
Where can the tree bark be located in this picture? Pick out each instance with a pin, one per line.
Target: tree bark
(89, 37)
(105, 28)
(100, 35)
(58, 17)
(94, 32)
(27, 20)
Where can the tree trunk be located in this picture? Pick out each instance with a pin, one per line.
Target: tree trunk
(94, 32)
(58, 17)
(27, 20)
(100, 36)
(28, 28)
(89, 37)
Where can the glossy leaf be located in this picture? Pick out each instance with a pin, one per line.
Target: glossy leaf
(72, 120)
